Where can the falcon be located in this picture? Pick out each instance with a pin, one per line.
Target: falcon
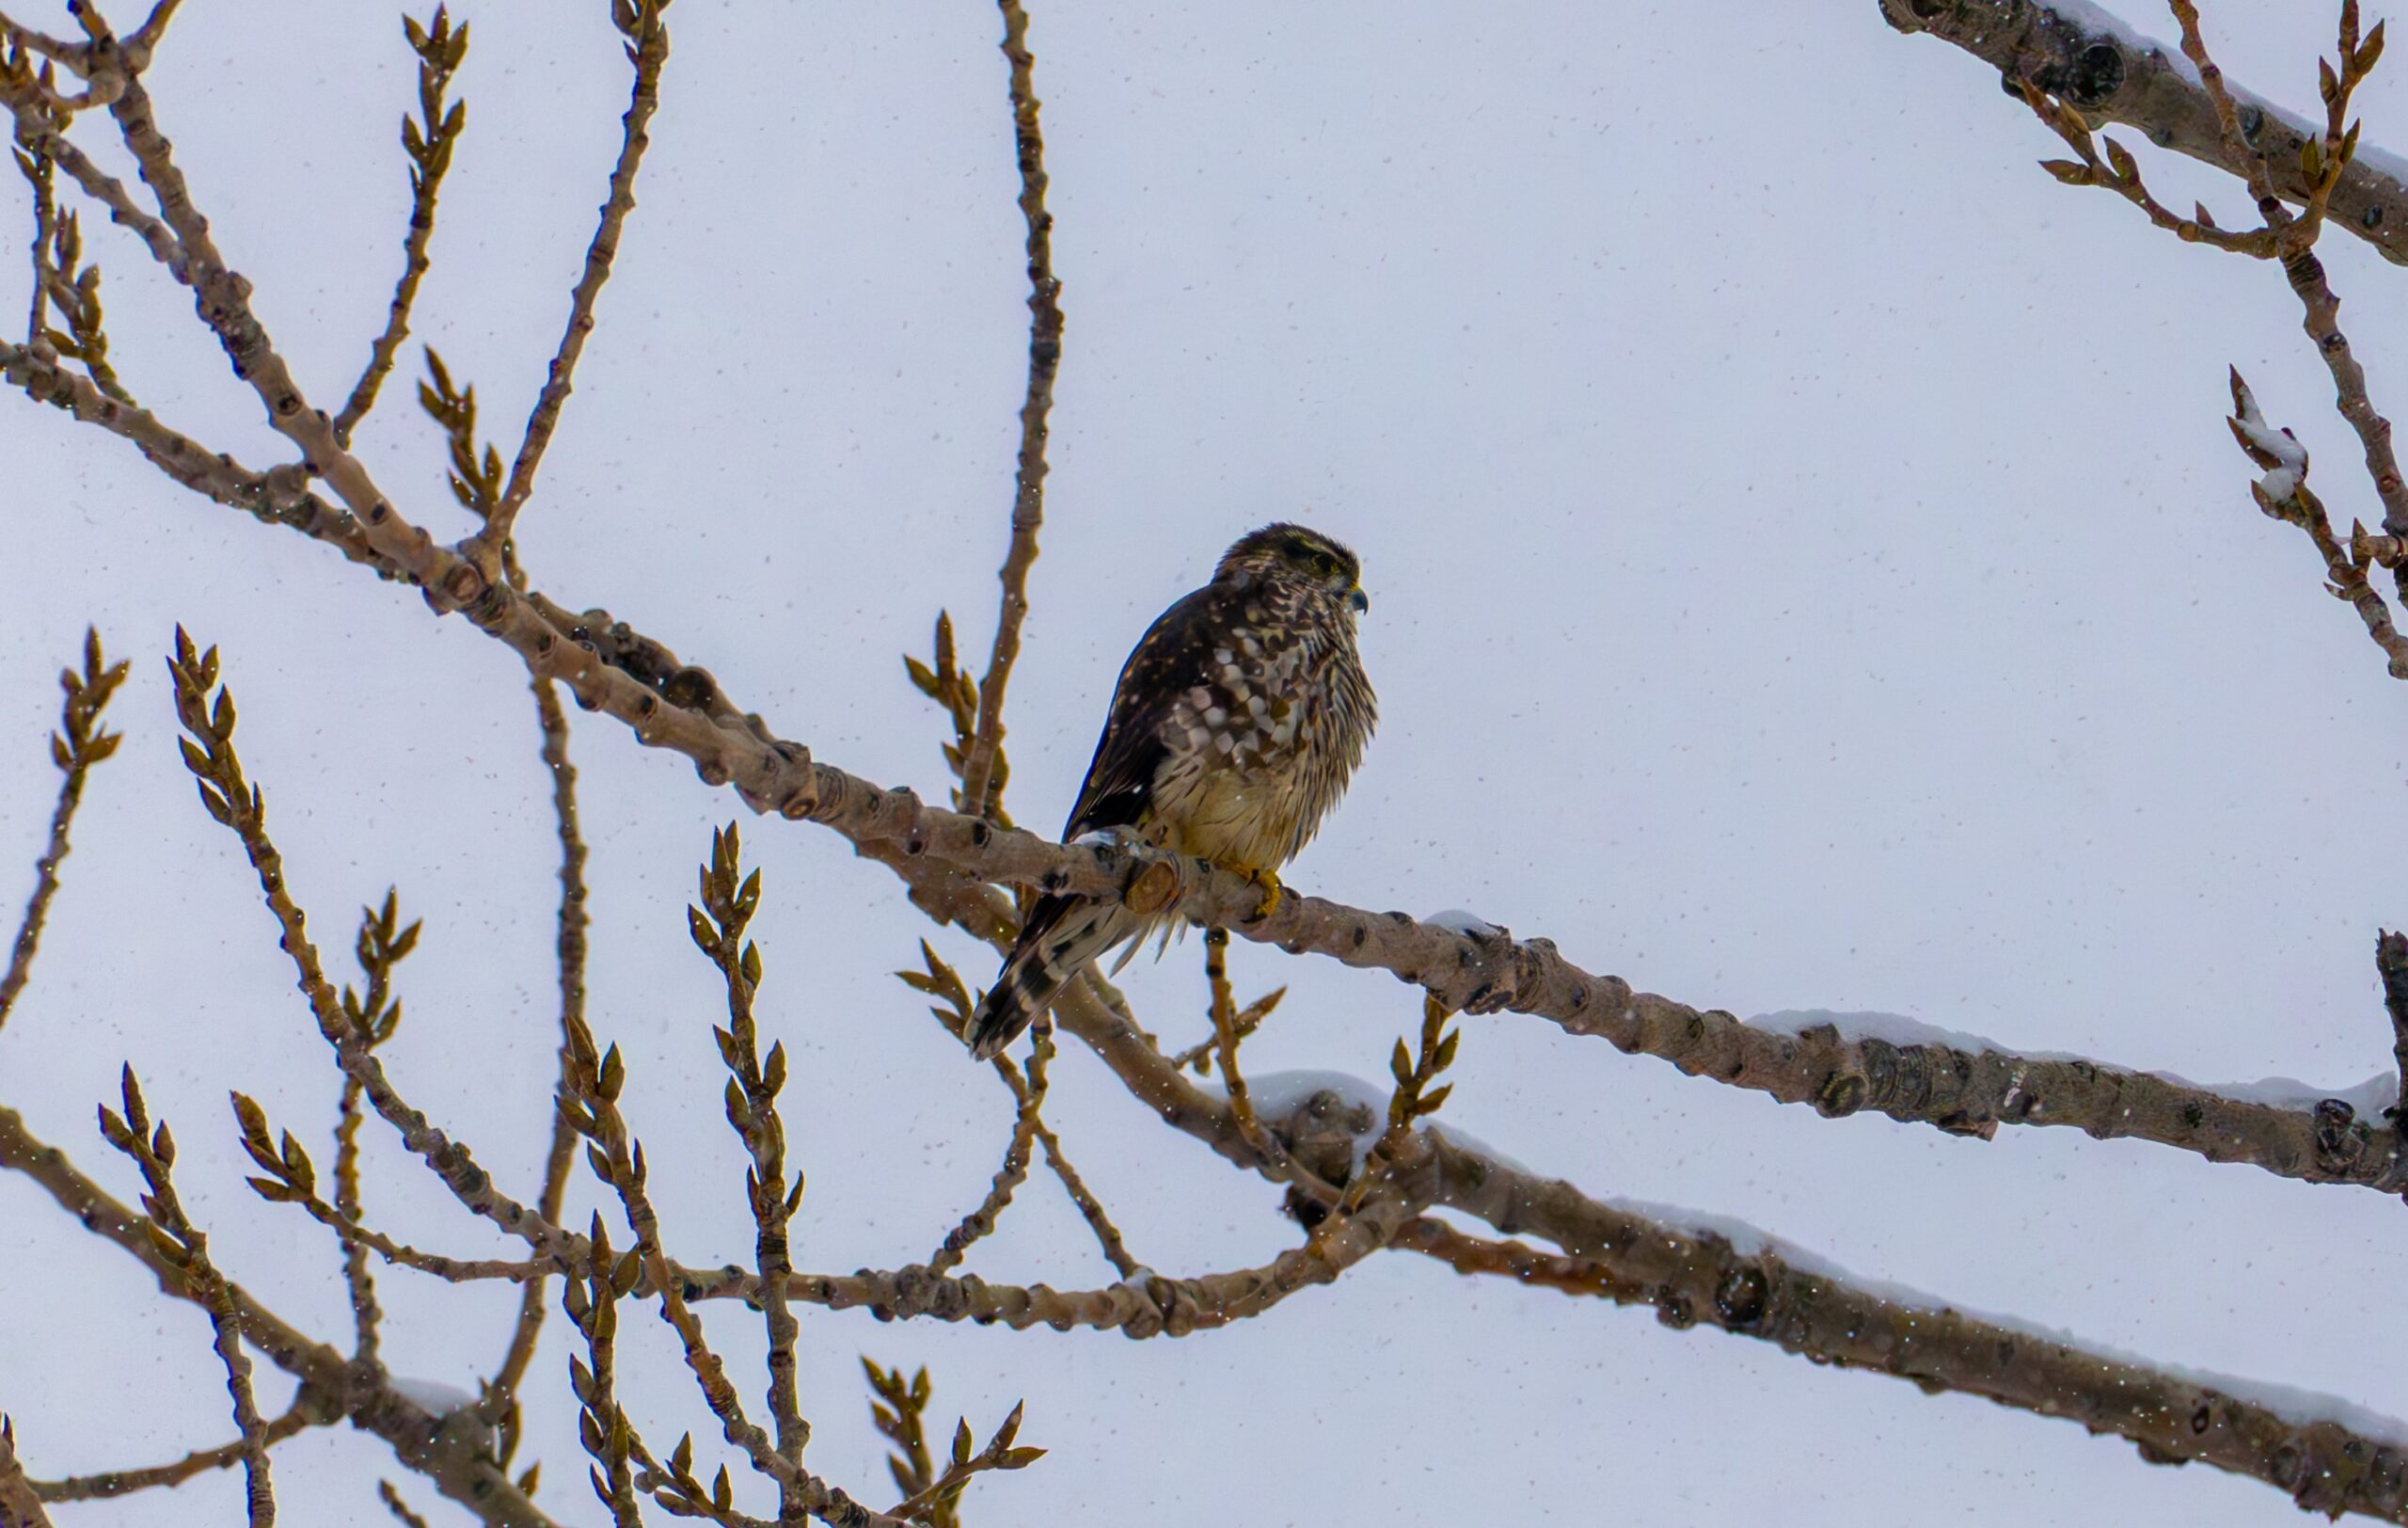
(1236, 723)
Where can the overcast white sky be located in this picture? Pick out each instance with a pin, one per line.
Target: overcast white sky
(1807, 569)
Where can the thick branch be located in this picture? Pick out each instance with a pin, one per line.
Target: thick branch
(943, 855)
(2116, 77)
(1697, 1277)
(1766, 1291)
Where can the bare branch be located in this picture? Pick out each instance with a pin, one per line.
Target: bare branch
(72, 55)
(306, 1413)
(74, 748)
(448, 1458)
(1699, 1277)
(647, 50)
(1029, 1097)
(278, 497)
(590, 1298)
(237, 804)
(590, 1098)
(943, 853)
(982, 777)
(2324, 160)
(428, 141)
(717, 927)
(186, 1250)
(569, 953)
(2111, 76)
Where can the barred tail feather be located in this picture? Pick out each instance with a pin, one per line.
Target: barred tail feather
(1062, 937)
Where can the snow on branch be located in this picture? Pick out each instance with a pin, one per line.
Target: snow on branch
(2110, 73)
(945, 856)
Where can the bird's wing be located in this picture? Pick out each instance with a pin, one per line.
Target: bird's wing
(1172, 656)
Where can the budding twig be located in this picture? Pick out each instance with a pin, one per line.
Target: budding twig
(75, 747)
(182, 1246)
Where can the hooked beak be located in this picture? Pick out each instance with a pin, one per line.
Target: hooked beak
(1356, 597)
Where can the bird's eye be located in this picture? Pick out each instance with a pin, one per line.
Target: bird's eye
(1322, 564)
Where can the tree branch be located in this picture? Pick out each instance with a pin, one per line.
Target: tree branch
(2111, 74)
(568, 946)
(304, 1413)
(1766, 1292)
(647, 50)
(453, 1462)
(74, 748)
(944, 854)
(440, 49)
(982, 776)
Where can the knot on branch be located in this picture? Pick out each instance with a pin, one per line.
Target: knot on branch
(2088, 78)
(2340, 1139)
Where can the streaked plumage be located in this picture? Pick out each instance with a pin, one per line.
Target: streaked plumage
(1236, 720)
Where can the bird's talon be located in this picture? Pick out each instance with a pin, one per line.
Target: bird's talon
(1267, 882)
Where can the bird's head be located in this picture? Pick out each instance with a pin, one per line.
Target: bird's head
(1296, 552)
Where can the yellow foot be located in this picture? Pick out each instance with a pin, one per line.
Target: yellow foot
(1267, 882)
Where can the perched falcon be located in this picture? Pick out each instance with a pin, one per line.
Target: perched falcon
(1237, 720)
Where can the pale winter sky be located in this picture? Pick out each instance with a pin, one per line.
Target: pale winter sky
(1808, 569)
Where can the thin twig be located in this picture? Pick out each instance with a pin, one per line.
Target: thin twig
(304, 1413)
(399, 1508)
(901, 1419)
(1225, 1038)
(590, 1098)
(717, 927)
(456, 1465)
(145, 37)
(39, 175)
(1029, 1097)
(568, 946)
(74, 748)
(382, 944)
(590, 1298)
(982, 778)
(648, 50)
(292, 1178)
(1091, 1209)
(428, 142)
(2320, 307)
(183, 1246)
(229, 797)
(933, 1501)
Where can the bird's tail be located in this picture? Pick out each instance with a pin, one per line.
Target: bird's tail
(1062, 937)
